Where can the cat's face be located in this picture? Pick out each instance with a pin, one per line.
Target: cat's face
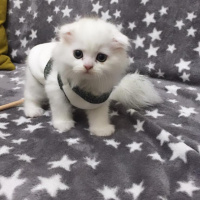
(93, 49)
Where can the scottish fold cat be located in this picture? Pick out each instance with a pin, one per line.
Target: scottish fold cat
(85, 69)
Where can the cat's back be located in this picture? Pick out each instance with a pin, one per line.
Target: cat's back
(38, 58)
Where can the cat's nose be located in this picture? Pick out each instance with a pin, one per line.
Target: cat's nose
(88, 67)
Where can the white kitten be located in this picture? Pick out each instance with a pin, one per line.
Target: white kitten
(83, 68)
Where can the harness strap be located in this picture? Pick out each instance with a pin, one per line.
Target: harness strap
(87, 96)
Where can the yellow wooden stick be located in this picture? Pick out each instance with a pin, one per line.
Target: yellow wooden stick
(12, 104)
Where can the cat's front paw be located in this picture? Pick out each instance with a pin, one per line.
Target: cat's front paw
(33, 110)
(63, 125)
(105, 130)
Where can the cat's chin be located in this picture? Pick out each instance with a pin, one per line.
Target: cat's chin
(87, 75)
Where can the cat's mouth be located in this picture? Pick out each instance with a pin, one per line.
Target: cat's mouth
(88, 72)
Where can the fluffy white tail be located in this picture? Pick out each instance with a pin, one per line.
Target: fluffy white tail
(136, 91)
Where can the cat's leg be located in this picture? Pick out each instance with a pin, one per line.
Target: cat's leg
(99, 121)
(34, 95)
(61, 109)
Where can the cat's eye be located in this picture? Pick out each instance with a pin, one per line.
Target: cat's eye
(101, 57)
(78, 54)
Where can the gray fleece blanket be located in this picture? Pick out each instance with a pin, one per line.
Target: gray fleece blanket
(154, 153)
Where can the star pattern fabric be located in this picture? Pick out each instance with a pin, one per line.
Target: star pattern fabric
(38, 162)
(145, 28)
(145, 142)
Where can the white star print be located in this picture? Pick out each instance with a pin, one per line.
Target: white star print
(9, 184)
(17, 32)
(51, 185)
(198, 148)
(156, 156)
(186, 112)
(72, 141)
(155, 35)
(3, 125)
(105, 15)
(149, 18)
(114, 1)
(19, 141)
(152, 51)
(29, 9)
(185, 77)
(4, 135)
(109, 193)
(131, 25)
(187, 187)
(191, 16)
(131, 60)
(136, 190)
(163, 11)
(144, 1)
(49, 1)
(112, 143)
(114, 113)
(171, 48)
(14, 53)
(4, 116)
(153, 113)
(96, 7)
(162, 198)
(198, 48)
(33, 34)
(150, 66)
(32, 128)
(35, 15)
(49, 19)
(10, 12)
(66, 12)
(56, 29)
(134, 146)
(191, 88)
(22, 120)
(139, 126)
(21, 20)
(163, 137)
(24, 157)
(92, 162)
(198, 97)
(117, 14)
(176, 125)
(179, 24)
(180, 138)
(191, 31)
(17, 79)
(17, 4)
(77, 17)
(24, 42)
(172, 89)
(57, 9)
(160, 73)
(64, 163)
(179, 151)
(139, 42)
(131, 111)
(5, 150)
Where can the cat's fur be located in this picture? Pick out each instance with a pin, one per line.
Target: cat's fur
(92, 36)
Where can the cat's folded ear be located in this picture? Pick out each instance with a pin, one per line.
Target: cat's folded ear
(66, 33)
(120, 41)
